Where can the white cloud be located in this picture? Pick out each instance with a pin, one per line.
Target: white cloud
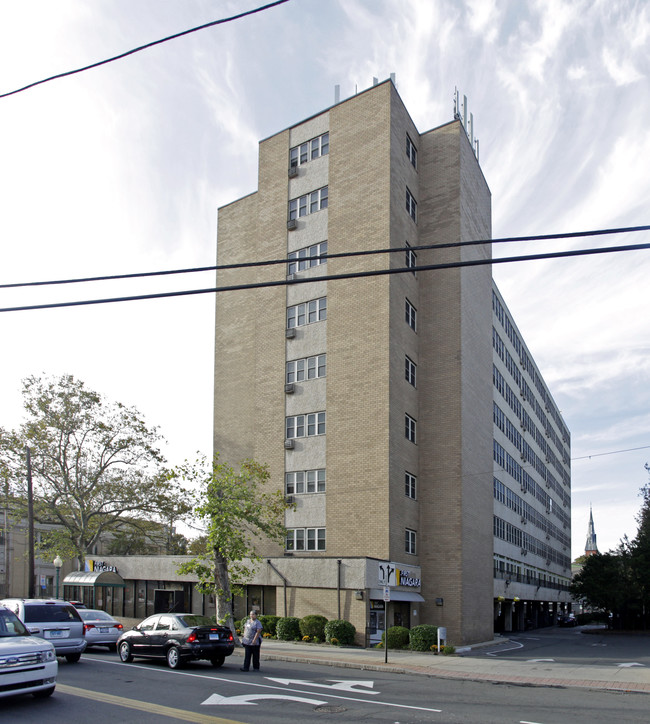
(621, 70)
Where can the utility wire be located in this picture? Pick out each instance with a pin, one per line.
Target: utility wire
(611, 452)
(392, 250)
(332, 277)
(144, 47)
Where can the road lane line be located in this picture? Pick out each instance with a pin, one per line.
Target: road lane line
(168, 711)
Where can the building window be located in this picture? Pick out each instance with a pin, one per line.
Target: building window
(409, 428)
(410, 369)
(305, 425)
(307, 257)
(411, 152)
(308, 368)
(305, 539)
(309, 151)
(411, 206)
(307, 313)
(410, 485)
(411, 258)
(305, 481)
(309, 203)
(411, 316)
(409, 541)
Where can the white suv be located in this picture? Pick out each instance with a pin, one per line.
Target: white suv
(56, 621)
(27, 663)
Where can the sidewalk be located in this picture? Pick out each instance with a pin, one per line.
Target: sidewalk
(458, 666)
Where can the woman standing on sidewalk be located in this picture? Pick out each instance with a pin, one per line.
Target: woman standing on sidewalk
(252, 640)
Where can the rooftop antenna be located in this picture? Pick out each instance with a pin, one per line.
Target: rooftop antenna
(467, 121)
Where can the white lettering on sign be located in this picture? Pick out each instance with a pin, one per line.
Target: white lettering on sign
(406, 579)
(101, 566)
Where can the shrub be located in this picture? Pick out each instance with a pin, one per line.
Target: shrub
(313, 626)
(423, 637)
(288, 628)
(339, 631)
(269, 624)
(448, 650)
(398, 637)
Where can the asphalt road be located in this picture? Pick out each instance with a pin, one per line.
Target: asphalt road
(101, 689)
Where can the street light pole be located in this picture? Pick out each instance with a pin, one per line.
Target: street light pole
(58, 562)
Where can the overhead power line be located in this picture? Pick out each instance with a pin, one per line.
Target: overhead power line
(144, 47)
(333, 277)
(270, 262)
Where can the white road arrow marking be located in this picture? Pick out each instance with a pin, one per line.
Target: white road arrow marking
(340, 685)
(541, 661)
(629, 665)
(250, 699)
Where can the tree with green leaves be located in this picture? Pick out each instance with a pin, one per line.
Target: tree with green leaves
(238, 510)
(96, 466)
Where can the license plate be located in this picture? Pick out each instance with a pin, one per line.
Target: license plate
(104, 629)
(56, 634)
(215, 637)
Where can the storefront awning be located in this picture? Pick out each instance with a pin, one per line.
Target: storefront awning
(94, 578)
(377, 594)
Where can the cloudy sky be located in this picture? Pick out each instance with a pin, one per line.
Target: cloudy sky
(121, 169)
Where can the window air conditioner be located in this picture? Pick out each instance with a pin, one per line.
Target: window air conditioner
(523, 519)
(290, 277)
(293, 171)
(288, 444)
(524, 552)
(292, 224)
(290, 333)
(290, 388)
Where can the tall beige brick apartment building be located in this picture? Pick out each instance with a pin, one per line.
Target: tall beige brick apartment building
(402, 413)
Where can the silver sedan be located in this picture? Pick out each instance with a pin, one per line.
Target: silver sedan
(100, 628)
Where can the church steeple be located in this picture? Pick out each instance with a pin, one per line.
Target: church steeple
(591, 547)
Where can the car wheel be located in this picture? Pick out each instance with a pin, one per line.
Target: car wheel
(44, 693)
(72, 658)
(126, 655)
(217, 661)
(174, 660)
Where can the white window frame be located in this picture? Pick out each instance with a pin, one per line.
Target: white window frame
(411, 258)
(410, 428)
(410, 485)
(309, 203)
(312, 424)
(310, 150)
(410, 541)
(411, 205)
(411, 316)
(411, 151)
(305, 482)
(410, 371)
(308, 257)
(305, 539)
(299, 315)
(306, 368)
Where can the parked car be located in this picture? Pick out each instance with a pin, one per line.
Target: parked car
(56, 621)
(567, 620)
(77, 604)
(178, 638)
(27, 663)
(100, 628)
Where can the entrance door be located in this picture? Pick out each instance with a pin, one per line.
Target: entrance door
(376, 626)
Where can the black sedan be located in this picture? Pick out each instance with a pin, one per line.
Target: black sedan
(178, 638)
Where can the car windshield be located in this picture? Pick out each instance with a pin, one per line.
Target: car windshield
(50, 613)
(90, 615)
(11, 625)
(191, 620)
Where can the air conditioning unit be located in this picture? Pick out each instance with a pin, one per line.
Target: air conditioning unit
(293, 171)
(523, 519)
(289, 499)
(523, 456)
(524, 552)
(290, 388)
(523, 488)
(522, 424)
(548, 432)
(290, 333)
(292, 224)
(290, 277)
(289, 444)
(522, 392)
